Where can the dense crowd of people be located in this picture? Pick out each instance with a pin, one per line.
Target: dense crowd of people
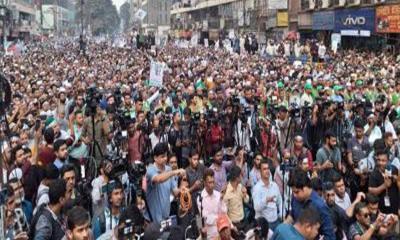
(287, 141)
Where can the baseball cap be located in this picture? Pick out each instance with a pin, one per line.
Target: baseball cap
(223, 222)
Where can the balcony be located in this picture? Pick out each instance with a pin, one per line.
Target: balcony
(23, 6)
(23, 26)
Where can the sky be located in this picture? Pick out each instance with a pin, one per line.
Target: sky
(118, 3)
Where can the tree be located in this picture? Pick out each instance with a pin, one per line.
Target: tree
(125, 15)
(100, 15)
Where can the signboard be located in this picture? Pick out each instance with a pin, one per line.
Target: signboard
(388, 19)
(282, 19)
(194, 40)
(335, 41)
(304, 20)
(355, 19)
(156, 74)
(205, 25)
(277, 4)
(140, 14)
(323, 20)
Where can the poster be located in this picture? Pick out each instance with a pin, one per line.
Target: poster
(140, 14)
(206, 42)
(156, 74)
(388, 19)
(194, 40)
(282, 19)
(335, 41)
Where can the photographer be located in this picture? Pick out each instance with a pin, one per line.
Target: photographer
(78, 149)
(315, 128)
(78, 225)
(340, 126)
(97, 184)
(158, 134)
(242, 129)
(131, 224)
(102, 130)
(136, 139)
(282, 123)
(267, 139)
(175, 138)
(384, 182)
(106, 220)
(227, 123)
(215, 136)
(186, 125)
(329, 159)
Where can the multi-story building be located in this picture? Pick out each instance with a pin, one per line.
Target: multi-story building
(213, 18)
(19, 20)
(57, 17)
(351, 23)
(157, 19)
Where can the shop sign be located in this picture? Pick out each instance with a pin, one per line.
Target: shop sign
(323, 20)
(388, 19)
(362, 19)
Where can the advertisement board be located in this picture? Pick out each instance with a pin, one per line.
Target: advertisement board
(323, 20)
(388, 19)
(362, 19)
(282, 19)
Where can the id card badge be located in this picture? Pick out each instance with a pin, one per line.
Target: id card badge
(387, 201)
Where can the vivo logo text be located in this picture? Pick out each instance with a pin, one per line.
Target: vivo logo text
(351, 21)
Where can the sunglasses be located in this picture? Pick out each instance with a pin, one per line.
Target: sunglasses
(366, 215)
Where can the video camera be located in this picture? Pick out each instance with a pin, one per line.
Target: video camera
(295, 110)
(93, 98)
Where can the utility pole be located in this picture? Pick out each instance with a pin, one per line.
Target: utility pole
(82, 17)
(41, 15)
(3, 14)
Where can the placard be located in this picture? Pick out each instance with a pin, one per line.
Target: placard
(156, 74)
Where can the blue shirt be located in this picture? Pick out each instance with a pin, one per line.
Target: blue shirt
(316, 201)
(271, 210)
(58, 163)
(158, 195)
(285, 232)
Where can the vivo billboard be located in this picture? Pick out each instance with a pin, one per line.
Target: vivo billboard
(362, 19)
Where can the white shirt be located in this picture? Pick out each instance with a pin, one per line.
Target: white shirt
(250, 235)
(321, 51)
(268, 210)
(306, 98)
(374, 135)
(212, 207)
(344, 203)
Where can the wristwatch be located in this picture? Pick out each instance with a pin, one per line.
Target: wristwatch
(372, 226)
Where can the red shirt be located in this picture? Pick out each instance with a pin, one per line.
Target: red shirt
(46, 156)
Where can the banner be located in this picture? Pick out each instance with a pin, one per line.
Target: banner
(277, 4)
(388, 19)
(282, 19)
(362, 19)
(140, 14)
(323, 20)
(156, 74)
(194, 40)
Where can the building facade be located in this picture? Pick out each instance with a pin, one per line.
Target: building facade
(351, 23)
(57, 17)
(157, 18)
(19, 20)
(213, 18)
